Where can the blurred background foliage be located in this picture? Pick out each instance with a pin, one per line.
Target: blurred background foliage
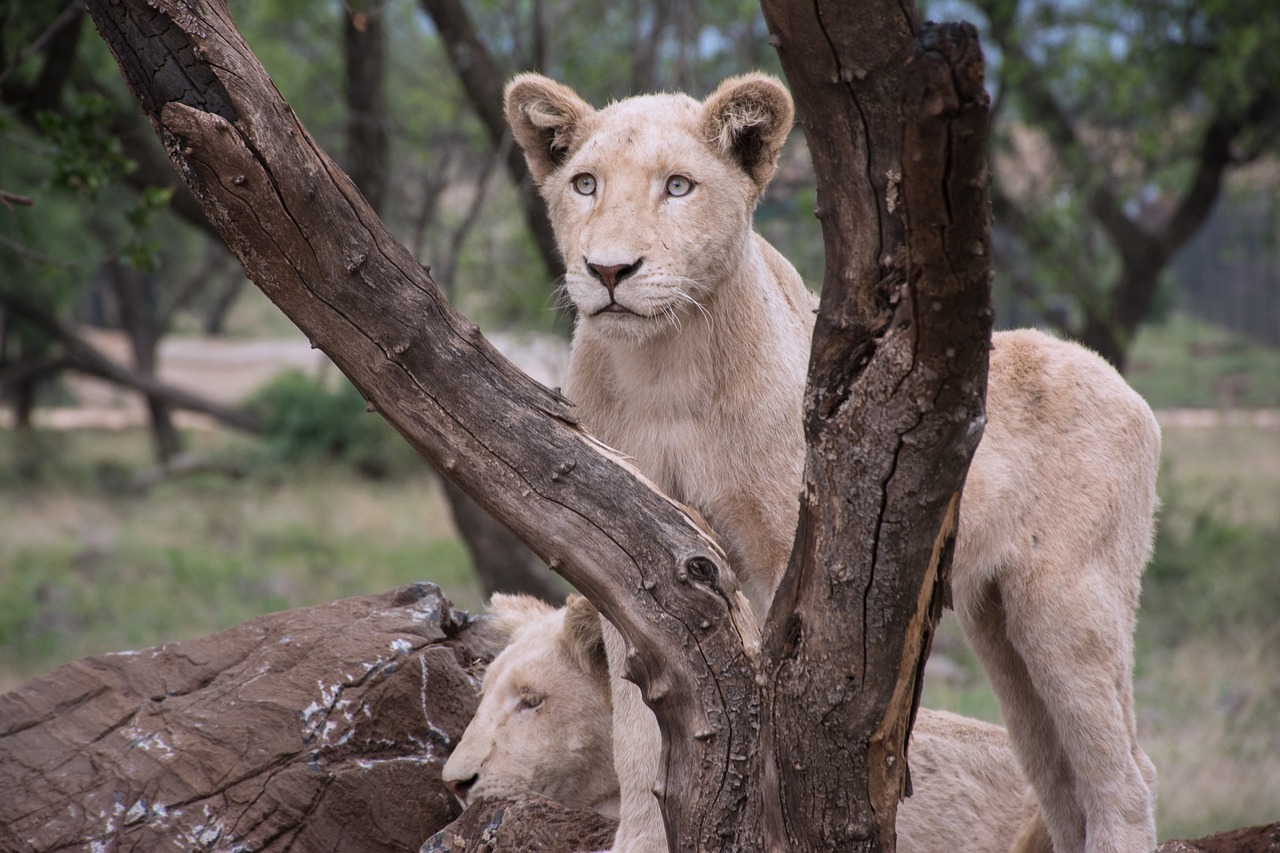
(1136, 187)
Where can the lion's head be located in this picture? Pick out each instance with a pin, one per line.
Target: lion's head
(650, 198)
(543, 725)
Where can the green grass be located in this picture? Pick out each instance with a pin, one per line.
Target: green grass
(87, 567)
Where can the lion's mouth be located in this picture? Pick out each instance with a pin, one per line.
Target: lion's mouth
(615, 308)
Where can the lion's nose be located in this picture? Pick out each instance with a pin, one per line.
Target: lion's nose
(461, 787)
(611, 275)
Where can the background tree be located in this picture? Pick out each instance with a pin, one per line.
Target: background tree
(85, 156)
(1118, 125)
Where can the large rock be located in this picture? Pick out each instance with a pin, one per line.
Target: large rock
(318, 729)
(1256, 839)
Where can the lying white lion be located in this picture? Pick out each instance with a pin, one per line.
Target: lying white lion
(543, 722)
(689, 354)
(543, 727)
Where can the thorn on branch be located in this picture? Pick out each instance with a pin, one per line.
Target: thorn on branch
(354, 261)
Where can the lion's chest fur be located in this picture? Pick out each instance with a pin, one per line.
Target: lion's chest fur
(712, 414)
(658, 403)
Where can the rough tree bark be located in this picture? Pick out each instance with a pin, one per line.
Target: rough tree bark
(912, 356)
(894, 406)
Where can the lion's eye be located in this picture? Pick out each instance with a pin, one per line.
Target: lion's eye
(679, 185)
(584, 184)
(530, 699)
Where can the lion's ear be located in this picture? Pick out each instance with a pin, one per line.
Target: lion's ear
(747, 119)
(583, 637)
(546, 119)
(509, 613)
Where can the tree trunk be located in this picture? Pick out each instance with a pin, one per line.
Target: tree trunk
(501, 561)
(368, 144)
(136, 301)
(483, 80)
(894, 408)
(897, 383)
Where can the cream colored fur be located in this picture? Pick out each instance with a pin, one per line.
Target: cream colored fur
(689, 354)
(969, 794)
(538, 729)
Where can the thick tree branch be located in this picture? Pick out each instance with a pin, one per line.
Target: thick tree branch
(311, 242)
(899, 356)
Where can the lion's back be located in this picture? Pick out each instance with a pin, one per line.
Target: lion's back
(1069, 457)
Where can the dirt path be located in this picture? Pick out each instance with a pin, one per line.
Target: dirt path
(229, 371)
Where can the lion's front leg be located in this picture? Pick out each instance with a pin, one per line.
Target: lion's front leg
(637, 752)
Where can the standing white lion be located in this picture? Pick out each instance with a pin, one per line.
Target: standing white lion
(689, 354)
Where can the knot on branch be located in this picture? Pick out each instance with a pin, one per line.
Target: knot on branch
(699, 570)
(153, 44)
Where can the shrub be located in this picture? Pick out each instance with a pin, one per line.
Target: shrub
(308, 420)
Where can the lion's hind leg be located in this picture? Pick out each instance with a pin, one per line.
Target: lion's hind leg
(1031, 731)
(1062, 671)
